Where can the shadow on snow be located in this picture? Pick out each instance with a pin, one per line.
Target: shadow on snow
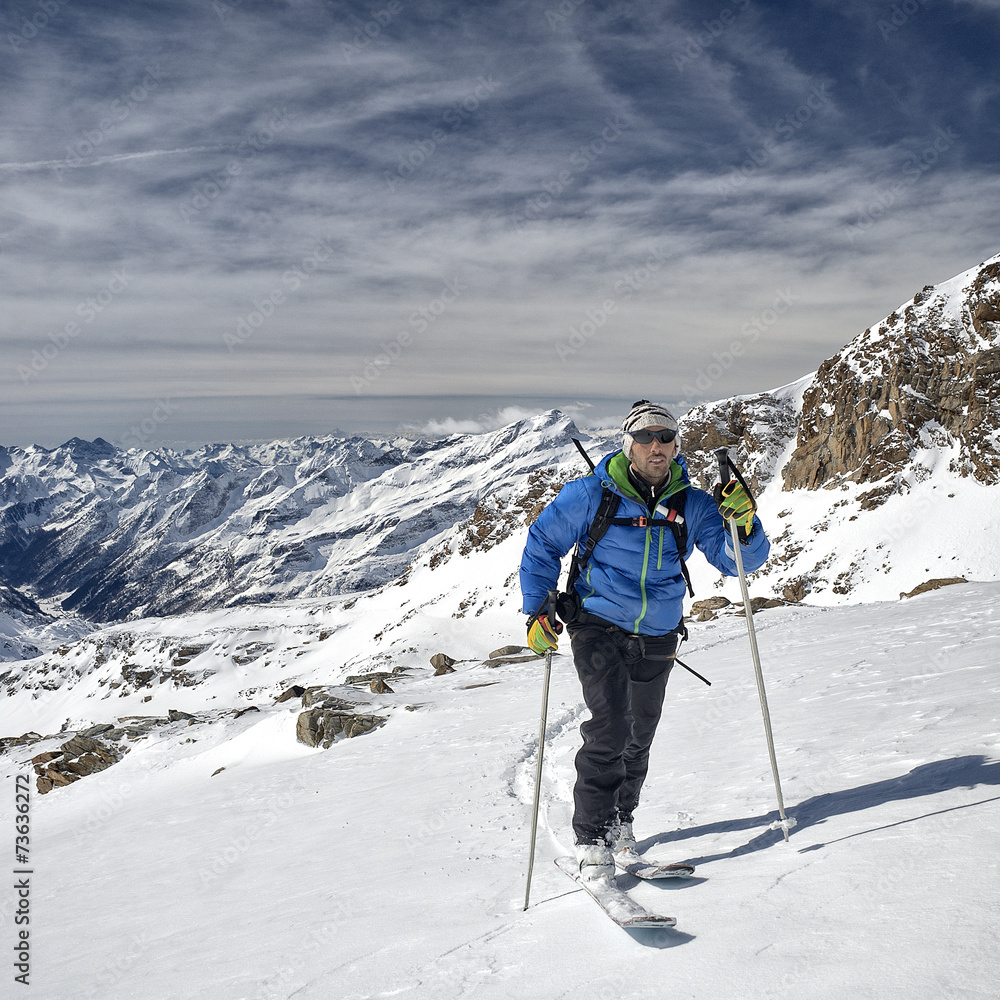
(927, 779)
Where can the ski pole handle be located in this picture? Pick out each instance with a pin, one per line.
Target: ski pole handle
(722, 456)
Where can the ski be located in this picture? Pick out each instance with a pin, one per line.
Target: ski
(644, 868)
(616, 903)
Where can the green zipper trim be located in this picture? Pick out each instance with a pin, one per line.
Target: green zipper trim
(659, 558)
(642, 580)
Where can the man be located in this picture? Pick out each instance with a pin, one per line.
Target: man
(624, 608)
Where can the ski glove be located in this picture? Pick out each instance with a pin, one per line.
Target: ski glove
(735, 503)
(543, 635)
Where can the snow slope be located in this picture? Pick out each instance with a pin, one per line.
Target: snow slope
(393, 864)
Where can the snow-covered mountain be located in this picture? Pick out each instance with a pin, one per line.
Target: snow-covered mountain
(881, 470)
(872, 471)
(112, 534)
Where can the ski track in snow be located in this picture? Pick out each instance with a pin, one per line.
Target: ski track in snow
(393, 864)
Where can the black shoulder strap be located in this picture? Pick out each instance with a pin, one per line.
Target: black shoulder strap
(603, 520)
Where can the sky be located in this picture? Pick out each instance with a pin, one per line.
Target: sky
(247, 219)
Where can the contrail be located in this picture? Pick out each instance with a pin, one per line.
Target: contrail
(97, 161)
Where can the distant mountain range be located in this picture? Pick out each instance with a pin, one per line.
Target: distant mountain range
(875, 474)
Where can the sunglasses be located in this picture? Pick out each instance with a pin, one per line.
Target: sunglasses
(646, 437)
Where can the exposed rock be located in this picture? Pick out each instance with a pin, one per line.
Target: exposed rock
(705, 611)
(796, 590)
(935, 584)
(175, 715)
(379, 686)
(295, 691)
(320, 727)
(927, 374)
(77, 757)
(439, 660)
(499, 661)
(759, 604)
(98, 730)
(319, 696)
(756, 430)
(186, 654)
(508, 651)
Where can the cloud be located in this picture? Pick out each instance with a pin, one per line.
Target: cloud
(538, 160)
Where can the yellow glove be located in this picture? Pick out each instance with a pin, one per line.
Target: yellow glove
(543, 635)
(736, 504)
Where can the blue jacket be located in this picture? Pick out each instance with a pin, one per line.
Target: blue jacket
(634, 577)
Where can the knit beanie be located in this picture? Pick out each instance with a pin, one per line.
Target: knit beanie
(644, 414)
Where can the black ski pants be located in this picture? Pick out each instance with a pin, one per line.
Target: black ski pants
(624, 678)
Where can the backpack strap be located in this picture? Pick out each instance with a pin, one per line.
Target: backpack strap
(603, 520)
(605, 517)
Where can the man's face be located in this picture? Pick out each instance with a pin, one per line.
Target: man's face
(652, 461)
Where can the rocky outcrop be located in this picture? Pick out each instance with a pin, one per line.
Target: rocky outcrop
(929, 374)
(319, 727)
(76, 758)
(755, 429)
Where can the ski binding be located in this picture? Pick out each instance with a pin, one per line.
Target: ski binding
(615, 902)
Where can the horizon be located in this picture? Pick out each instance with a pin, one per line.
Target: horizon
(254, 220)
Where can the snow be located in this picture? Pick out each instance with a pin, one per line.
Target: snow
(393, 864)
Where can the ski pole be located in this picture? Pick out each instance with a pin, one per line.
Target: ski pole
(541, 750)
(784, 824)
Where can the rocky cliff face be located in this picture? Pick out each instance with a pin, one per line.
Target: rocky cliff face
(756, 430)
(927, 375)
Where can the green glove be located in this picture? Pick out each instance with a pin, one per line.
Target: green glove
(736, 504)
(543, 635)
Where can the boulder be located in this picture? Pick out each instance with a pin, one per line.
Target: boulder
(508, 651)
(442, 663)
(497, 661)
(934, 585)
(320, 727)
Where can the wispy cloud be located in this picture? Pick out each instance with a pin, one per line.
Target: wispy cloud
(539, 159)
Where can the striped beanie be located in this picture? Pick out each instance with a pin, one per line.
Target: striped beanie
(644, 414)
